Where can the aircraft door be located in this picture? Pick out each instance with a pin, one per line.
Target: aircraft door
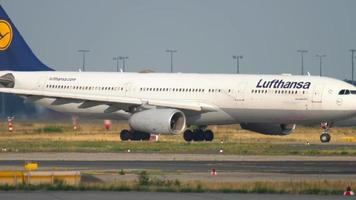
(317, 94)
(40, 82)
(129, 89)
(239, 92)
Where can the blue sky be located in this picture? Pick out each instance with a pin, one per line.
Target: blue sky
(206, 34)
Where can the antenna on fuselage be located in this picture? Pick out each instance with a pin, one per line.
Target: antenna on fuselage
(79, 70)
(308, 73)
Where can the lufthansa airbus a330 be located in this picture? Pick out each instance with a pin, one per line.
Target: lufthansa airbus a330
(170, 103)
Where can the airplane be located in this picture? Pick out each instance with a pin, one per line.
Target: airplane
(172, 103)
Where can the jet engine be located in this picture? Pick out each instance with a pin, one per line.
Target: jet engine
(163, 121)
(269, 129)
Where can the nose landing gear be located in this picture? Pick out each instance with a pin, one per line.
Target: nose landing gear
(325, 136)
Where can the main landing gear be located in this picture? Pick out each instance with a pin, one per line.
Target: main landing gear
(325, 136)
(198, 134)
(134, 135)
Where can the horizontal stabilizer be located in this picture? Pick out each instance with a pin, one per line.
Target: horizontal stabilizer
(7, 80)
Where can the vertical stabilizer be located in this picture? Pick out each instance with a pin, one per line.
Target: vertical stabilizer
(15, 54)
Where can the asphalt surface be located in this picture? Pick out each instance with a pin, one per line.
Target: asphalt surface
(90, 195)
(291, 167)
(77, 156)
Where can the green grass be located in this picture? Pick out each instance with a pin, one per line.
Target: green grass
(325, 188)
(177, 147)
(50, 129)
(145, 182)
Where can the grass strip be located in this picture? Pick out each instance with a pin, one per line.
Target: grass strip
(39, 145)
(145, 182)
(311, 187)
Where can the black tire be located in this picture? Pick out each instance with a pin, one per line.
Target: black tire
(188, 135)
(198, 135)
(125, 135)
(135, 135)
(145, 136)
(325, 138)
(208, 135)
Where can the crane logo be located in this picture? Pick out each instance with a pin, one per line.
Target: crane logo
(5, 35)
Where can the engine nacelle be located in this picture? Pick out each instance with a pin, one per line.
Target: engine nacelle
(163, 121)
(269, 129)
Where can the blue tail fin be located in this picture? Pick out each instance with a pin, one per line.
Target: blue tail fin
(15, 54)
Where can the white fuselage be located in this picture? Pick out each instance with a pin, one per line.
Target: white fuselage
(238, 98)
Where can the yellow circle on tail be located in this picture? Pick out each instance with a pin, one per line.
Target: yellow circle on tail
(5, 35)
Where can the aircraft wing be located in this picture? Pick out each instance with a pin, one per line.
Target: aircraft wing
(115, 103)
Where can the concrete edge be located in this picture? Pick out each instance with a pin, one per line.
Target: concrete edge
(42, 156)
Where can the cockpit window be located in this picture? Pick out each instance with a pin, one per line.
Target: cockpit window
(347, 92)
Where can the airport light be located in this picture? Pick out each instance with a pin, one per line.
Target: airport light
(116, 58)
(302, 60)
(171, 51)
(123, 58)
(83, 51)
(237, 58)
(320, 62)
(352, 64)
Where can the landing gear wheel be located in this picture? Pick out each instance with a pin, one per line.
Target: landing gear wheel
(208, 135)
(198, 135)
(145, 136)
(325, 138)
(188, 135)
(134, 135)
(125, 135)
(139, 135)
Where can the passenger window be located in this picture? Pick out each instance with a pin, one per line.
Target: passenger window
(353, 91)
